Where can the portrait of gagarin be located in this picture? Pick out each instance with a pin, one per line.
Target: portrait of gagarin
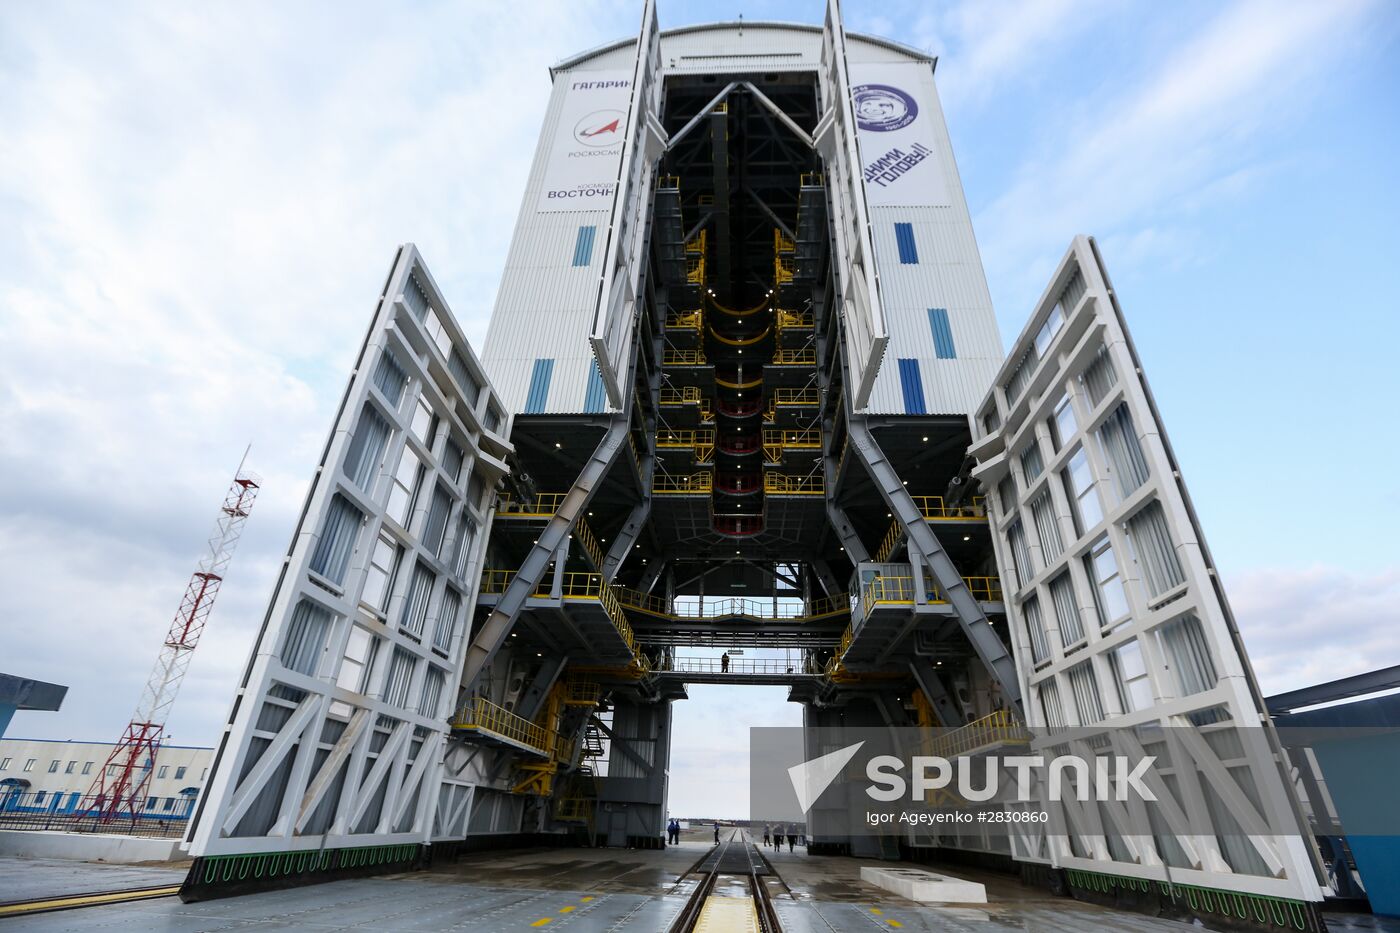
(882, 108)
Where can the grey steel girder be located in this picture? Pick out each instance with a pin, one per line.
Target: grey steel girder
(496, 628)
(925, 544)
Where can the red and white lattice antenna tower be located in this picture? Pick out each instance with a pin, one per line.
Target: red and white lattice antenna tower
(121, 785)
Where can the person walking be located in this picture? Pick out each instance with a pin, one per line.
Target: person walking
(767, 834)
(792, 840)
(778, 837)
(724, 663)
(717, 834)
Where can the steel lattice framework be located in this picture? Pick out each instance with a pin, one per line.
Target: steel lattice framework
(121, 785)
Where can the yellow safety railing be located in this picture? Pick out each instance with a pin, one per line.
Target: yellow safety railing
(935, 508)
(888, 590)
(811, 180)
(674, 484)
(781, 244)
(688, 395)
(589, 541)
(779, 484)
(482, 715)
(683, 358)
(802, 356)
(776, 440)
(697, 245)
(575, 585)
(796, 397)
(686, 320)
(574, 809)
(788, 320)
(545, 504)
(591, 586)
(695, 270)
(828, 605)
(702, 442)
(982, 589)
(495, 581)
(783, 272)
(645, 602)
(668, 181)
(707, 413)
(901, 590)
(890, 542)
(582, 692)
(1000, 728)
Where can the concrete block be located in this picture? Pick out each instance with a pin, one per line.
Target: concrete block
(924, 886)
(88, 847)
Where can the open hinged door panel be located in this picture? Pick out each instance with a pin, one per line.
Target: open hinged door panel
(857, 280)
(1122, 632)
(624, 252)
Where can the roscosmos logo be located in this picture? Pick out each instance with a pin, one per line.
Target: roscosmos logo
(882, 108)
(600, 128)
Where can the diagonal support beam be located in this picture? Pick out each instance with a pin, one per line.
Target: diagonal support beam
(947, 707)
(496, 628)
(763, 206)
(625, 538)
(925, 544)
(699, 117)
(543, 682)
(783, 118)
(855, 548)
(624, 746)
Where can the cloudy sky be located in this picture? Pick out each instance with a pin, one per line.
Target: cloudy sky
(198, 204)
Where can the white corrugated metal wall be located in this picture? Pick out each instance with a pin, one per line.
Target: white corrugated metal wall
(544, 307)
(545, 304)
(947, 275)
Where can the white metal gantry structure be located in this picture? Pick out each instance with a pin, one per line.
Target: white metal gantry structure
(770, 209)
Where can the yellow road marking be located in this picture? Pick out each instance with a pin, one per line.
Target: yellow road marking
(875, 911)
(541, 922)
(585, 899)
(565, 910)
(895, 923)
(85, 900)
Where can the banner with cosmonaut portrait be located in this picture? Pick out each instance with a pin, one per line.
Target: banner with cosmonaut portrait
(897, 135)
(581, 171)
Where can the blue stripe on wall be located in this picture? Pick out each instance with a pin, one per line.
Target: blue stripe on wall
(943, 345)
(539, 386)
(583, 246)
(904, 236)
(913, 385)
(594, 397)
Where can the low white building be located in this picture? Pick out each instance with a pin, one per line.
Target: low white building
(44, 775)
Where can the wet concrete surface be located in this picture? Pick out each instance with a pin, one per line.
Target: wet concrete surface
(28, 879)
(579, 890)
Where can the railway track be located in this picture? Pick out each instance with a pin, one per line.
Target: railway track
(731, 895)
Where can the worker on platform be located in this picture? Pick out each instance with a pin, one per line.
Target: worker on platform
(717, 834)
(778, 836)
(767, 834)
(724, 663)
(673, 832)
(792, 840)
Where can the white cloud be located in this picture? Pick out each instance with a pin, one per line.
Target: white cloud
(200, 207)
(1124, 161)
(1311, 626)
(990, 45)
